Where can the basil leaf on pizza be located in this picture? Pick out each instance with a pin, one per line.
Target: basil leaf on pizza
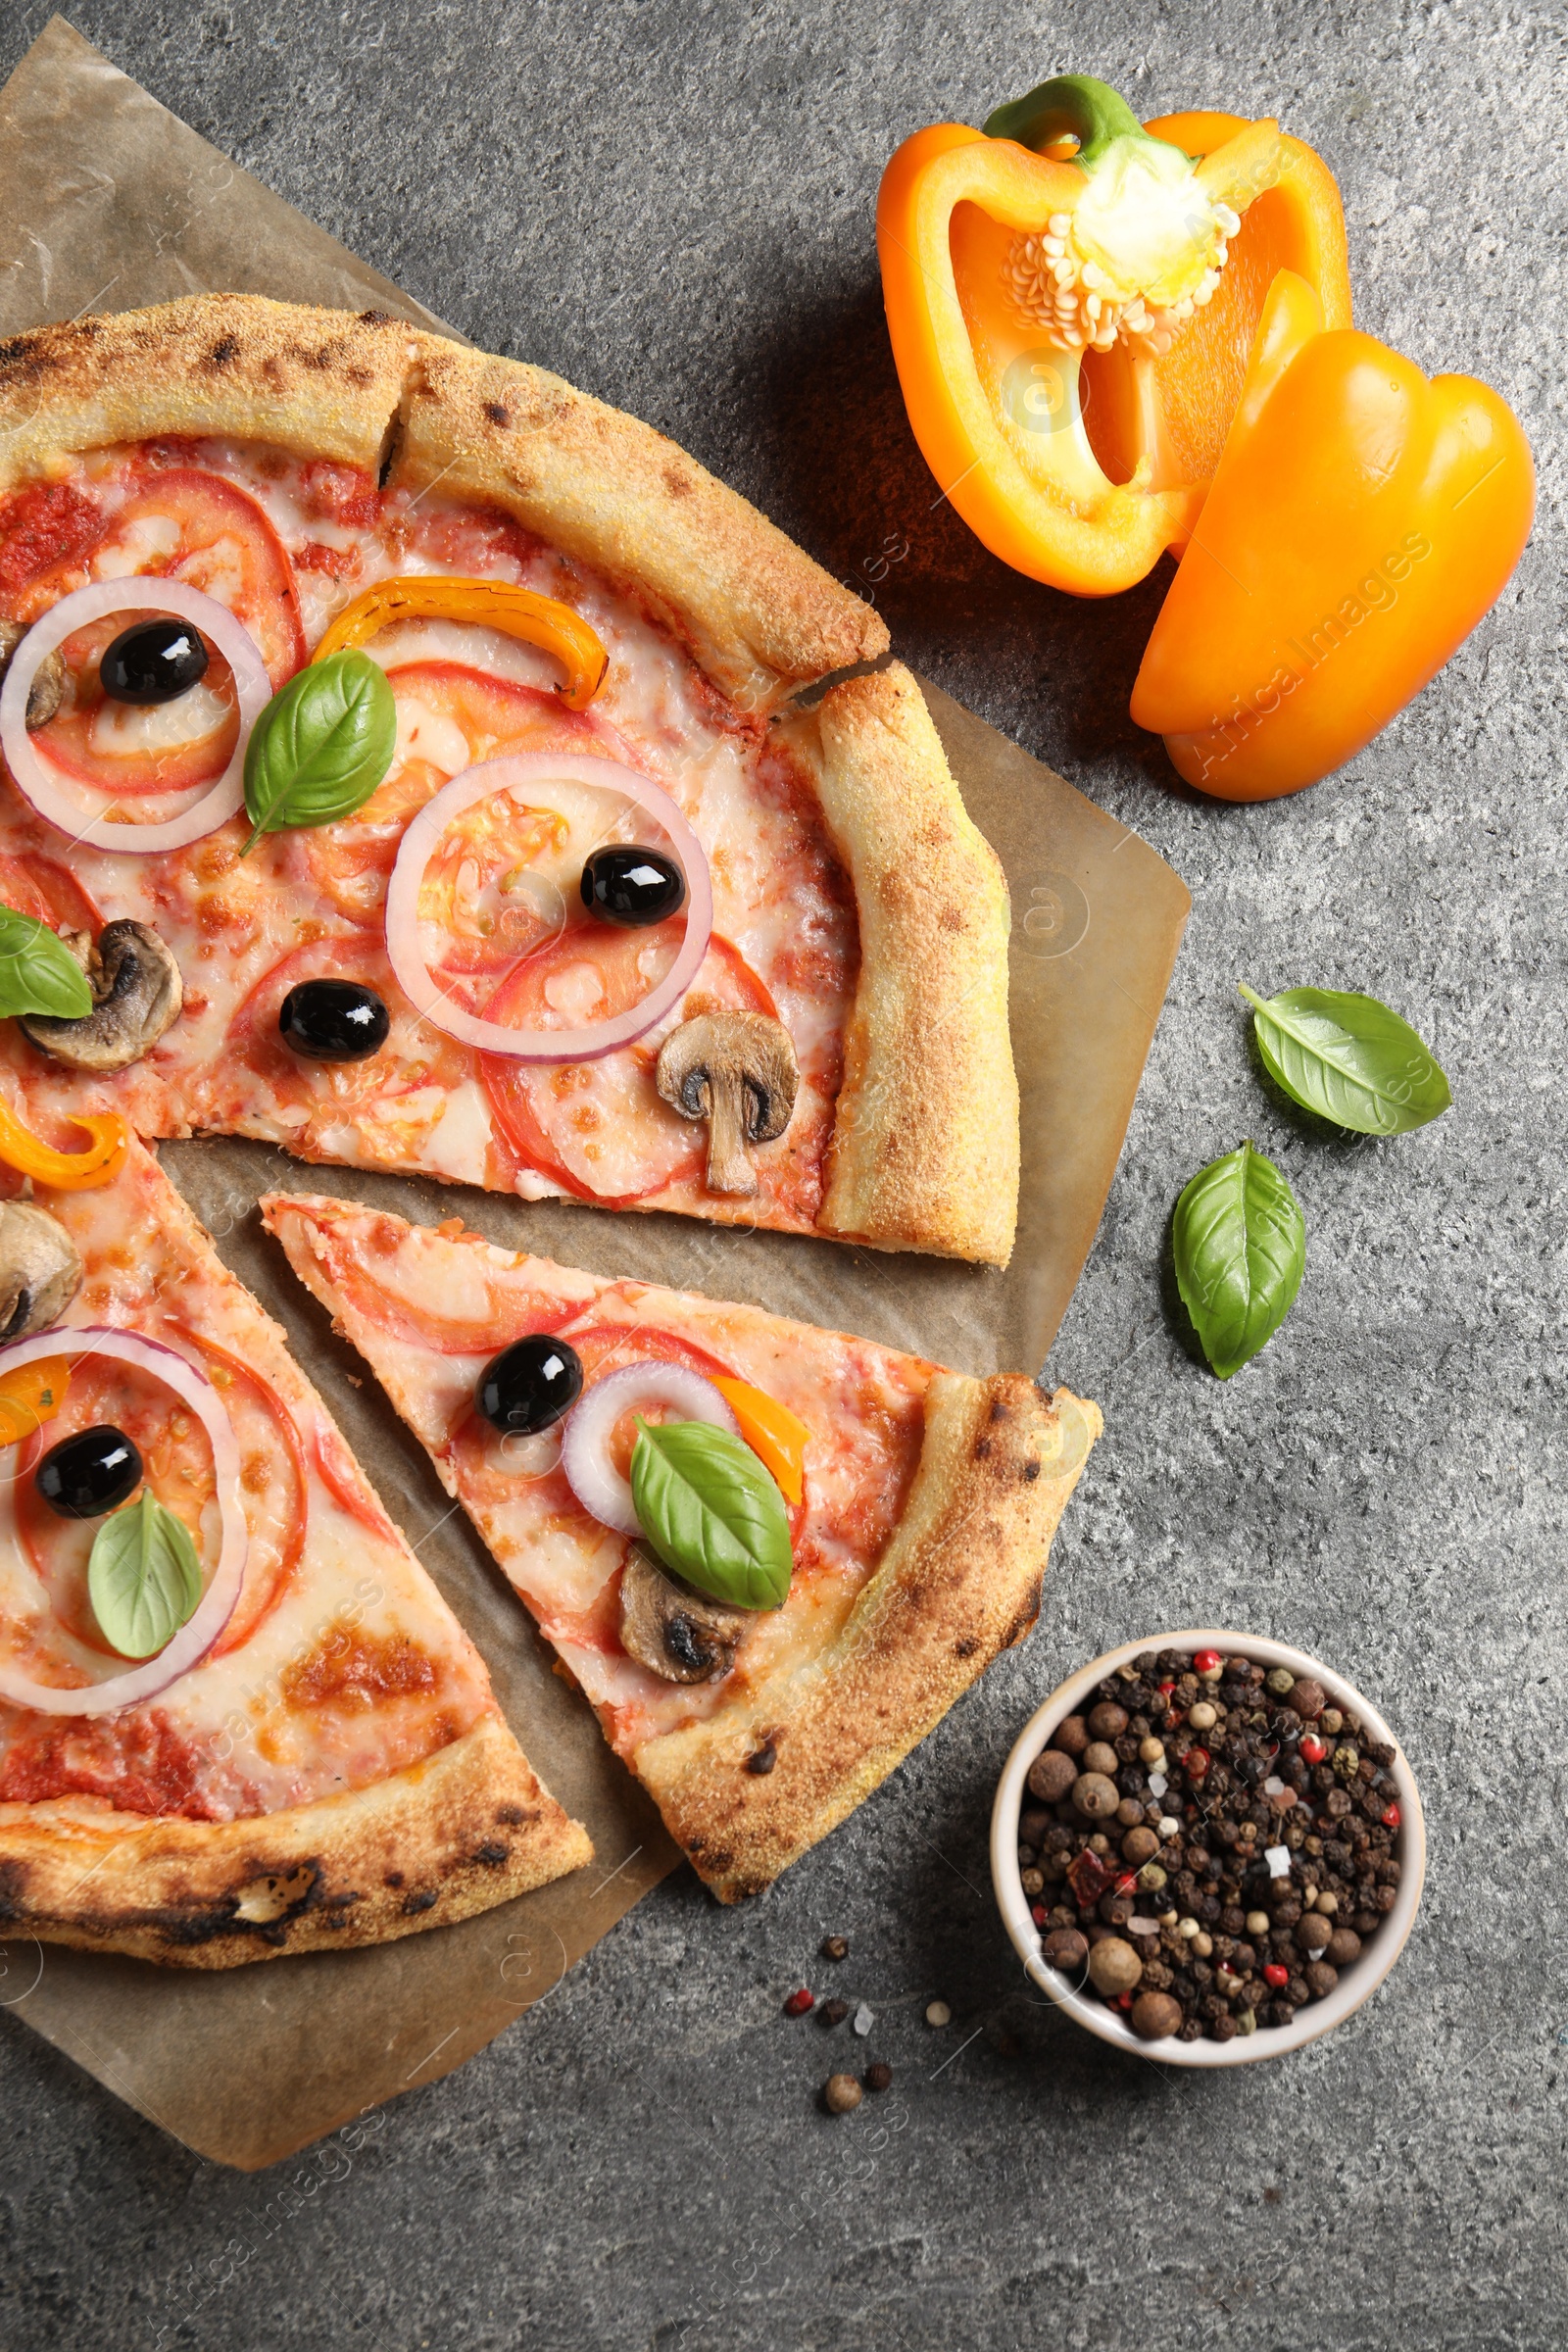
(38, 973)
(143, 1578)
(321, 746)
(711, 1513)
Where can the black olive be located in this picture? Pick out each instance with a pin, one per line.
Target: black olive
(91, 1473)
(530, 1384)
(333, 1020)
(633, 887)
(153, 661)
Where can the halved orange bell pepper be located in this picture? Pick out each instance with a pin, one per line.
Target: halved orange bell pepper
(1071, 335)
(1362, 521)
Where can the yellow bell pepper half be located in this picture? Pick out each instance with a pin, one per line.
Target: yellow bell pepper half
(1071, 335)
(1362, 521)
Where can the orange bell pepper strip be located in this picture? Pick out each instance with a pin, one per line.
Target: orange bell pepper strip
(1049, 318)
(65, 1172)
(1361, 523)
(490, 604)
(776, 1436)
(33, 1395)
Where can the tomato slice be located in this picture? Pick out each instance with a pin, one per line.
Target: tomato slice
(276, 1500)
(175, 522)
(600, 1129)
(179, 1462)
(343, 1483)
(449, 717)
(49, 893)
(511, 1312)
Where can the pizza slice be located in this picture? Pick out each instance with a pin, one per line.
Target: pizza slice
(766, 1615)
(237, 1718)
(589, 907)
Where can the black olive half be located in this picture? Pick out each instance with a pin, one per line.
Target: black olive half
(91, 1473)
(333, 1020)
(153, 661)
(633, 887)
(530, 1384)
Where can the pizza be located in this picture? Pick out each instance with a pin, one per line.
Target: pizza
(315, 1758)
(757, 1695)
(615, 916)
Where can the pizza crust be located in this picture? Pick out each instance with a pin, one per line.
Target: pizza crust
(757, 616)
(469, 1828)
(958, 1582)
(925, 1140)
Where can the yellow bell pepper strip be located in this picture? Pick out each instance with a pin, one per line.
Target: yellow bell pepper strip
(490, 604)
(1041, 312)
(776, 1436)
(1361, 523)
(31, 1395)
(65, 1172)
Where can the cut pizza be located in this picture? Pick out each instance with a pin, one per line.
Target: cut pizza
(407, 746)
(773, 1557)
(237, 1718)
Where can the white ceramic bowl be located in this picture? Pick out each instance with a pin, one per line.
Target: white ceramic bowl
(1357, 1983)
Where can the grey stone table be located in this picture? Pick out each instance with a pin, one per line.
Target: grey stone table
(672, 205)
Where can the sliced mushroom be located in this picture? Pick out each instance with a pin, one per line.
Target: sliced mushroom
(738, 1071)
(136, 992)
(40, 1272)
(675, 1633)
(47, 691)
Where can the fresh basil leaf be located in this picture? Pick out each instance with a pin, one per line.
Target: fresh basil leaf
(38, 973)
(711, 1513)
(321, 746)
(143, 1577)
(1351, 1059)
(1348, 1058)
(1240, 1249)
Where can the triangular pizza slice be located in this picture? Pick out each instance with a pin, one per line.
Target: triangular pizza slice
(298, 1747)
(763, 1667)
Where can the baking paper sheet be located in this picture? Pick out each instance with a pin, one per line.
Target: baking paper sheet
(109, 203)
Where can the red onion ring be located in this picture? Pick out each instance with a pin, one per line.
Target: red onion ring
(585, 1441)
(214, 1610)
(32, 774)
(522, 769)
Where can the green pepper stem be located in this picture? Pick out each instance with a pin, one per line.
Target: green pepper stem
(1071, 106)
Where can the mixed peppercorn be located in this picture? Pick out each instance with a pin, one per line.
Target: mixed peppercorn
(1209, 1844)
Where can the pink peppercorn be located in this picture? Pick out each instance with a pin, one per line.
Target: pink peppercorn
(1391, 1816)
(800, 2002)
(1313, 1750)
(1276, 1976)
(1205, 1661)
(1196, 1763)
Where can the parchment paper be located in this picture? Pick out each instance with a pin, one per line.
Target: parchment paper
(108, 202)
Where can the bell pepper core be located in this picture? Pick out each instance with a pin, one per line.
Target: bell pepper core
(1362, 521)
(776, 1436)
(1071, 336)
(65, 1172)
(490, 604)
(31, 1395)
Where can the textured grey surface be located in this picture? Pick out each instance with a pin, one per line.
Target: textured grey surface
(672, 205)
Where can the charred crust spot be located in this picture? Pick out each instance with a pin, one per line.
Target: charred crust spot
(762, 1759)
(982, 1448)
(226, 348)
(271, 372)
(492, 1855)
(498, 412)
(966, 1648)
(511, 1816)
(951, 918)
(343, 1902)
(999, 1411)
(1031, 1470)
(394, 1877)
(676, 483)
(375, 318)
(426, 1900)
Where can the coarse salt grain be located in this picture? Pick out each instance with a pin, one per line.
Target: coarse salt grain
(1143, 1926)
(1157, 1783)
(1278, 1858)
(1273, 1785)
(863, 2021)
